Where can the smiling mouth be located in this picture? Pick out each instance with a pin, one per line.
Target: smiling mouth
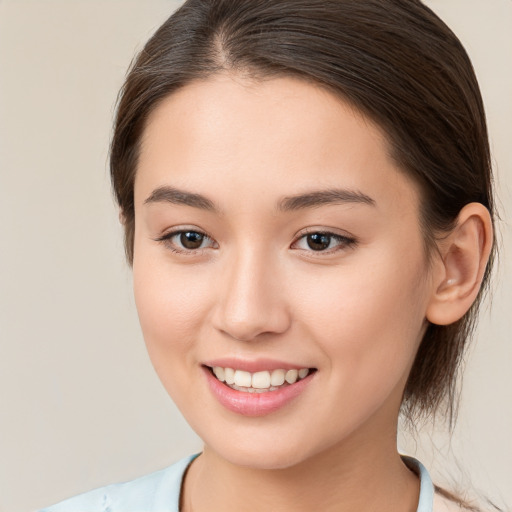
(259, 382)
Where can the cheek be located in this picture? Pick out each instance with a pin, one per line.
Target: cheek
(170, 304)
(368, 317)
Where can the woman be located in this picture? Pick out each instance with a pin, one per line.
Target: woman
(305, 189)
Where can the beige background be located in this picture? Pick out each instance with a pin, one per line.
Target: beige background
(80, 405)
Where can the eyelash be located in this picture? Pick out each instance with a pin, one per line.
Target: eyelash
(166, 240)
(344, 242)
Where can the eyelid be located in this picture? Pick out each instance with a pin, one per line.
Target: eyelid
(346, 241)
(168, 235)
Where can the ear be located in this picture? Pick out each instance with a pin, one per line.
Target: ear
(458, 273)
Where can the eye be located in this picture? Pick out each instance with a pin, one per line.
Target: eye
(321, 241)
(187, 241)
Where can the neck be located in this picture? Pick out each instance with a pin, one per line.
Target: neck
(344, 478)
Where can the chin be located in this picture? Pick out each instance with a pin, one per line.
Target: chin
(266, 461)
(256, 455)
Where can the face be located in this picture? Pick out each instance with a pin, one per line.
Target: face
(274, 233)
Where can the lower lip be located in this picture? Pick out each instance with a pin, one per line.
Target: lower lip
(254, 404)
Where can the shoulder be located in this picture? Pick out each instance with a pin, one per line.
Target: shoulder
(156, 492)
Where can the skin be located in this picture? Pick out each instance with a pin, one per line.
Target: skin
(356, 311)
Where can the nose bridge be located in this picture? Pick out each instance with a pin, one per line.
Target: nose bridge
(250, 299)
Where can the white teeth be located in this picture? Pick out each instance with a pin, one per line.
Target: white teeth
(243, 379)
(291, 376)
(229, 375)
(258, 381)
(277, 377)
(303, 372)
(261, 380)
(253, 390)
(219, 373)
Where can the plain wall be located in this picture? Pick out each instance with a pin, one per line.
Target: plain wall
(80, 405)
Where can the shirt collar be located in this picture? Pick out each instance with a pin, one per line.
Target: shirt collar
(426, 501)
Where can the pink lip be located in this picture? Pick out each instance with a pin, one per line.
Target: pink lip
(254, 404)
(257, 365)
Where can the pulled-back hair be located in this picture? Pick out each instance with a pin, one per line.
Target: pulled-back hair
(394, 60)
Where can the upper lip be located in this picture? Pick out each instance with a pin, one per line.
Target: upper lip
(254, 365)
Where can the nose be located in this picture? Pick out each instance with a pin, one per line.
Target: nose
(251, 299)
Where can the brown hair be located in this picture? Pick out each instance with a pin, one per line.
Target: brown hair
(394, 60)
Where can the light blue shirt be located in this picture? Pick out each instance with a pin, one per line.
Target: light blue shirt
(160, 492)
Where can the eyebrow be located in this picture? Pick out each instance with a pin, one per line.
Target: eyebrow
(318, 198)
(313, 199)
(176, 196)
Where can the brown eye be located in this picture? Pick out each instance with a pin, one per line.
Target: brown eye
(324, 242)
(185, 241)
(191, 239)
(318, 241)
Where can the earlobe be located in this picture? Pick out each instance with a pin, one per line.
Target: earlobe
(122, 218)
(464, 256)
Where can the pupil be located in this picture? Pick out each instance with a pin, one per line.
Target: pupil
(191, 239)
(318, 241)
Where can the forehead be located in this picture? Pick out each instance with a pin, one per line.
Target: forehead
(263, 139)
